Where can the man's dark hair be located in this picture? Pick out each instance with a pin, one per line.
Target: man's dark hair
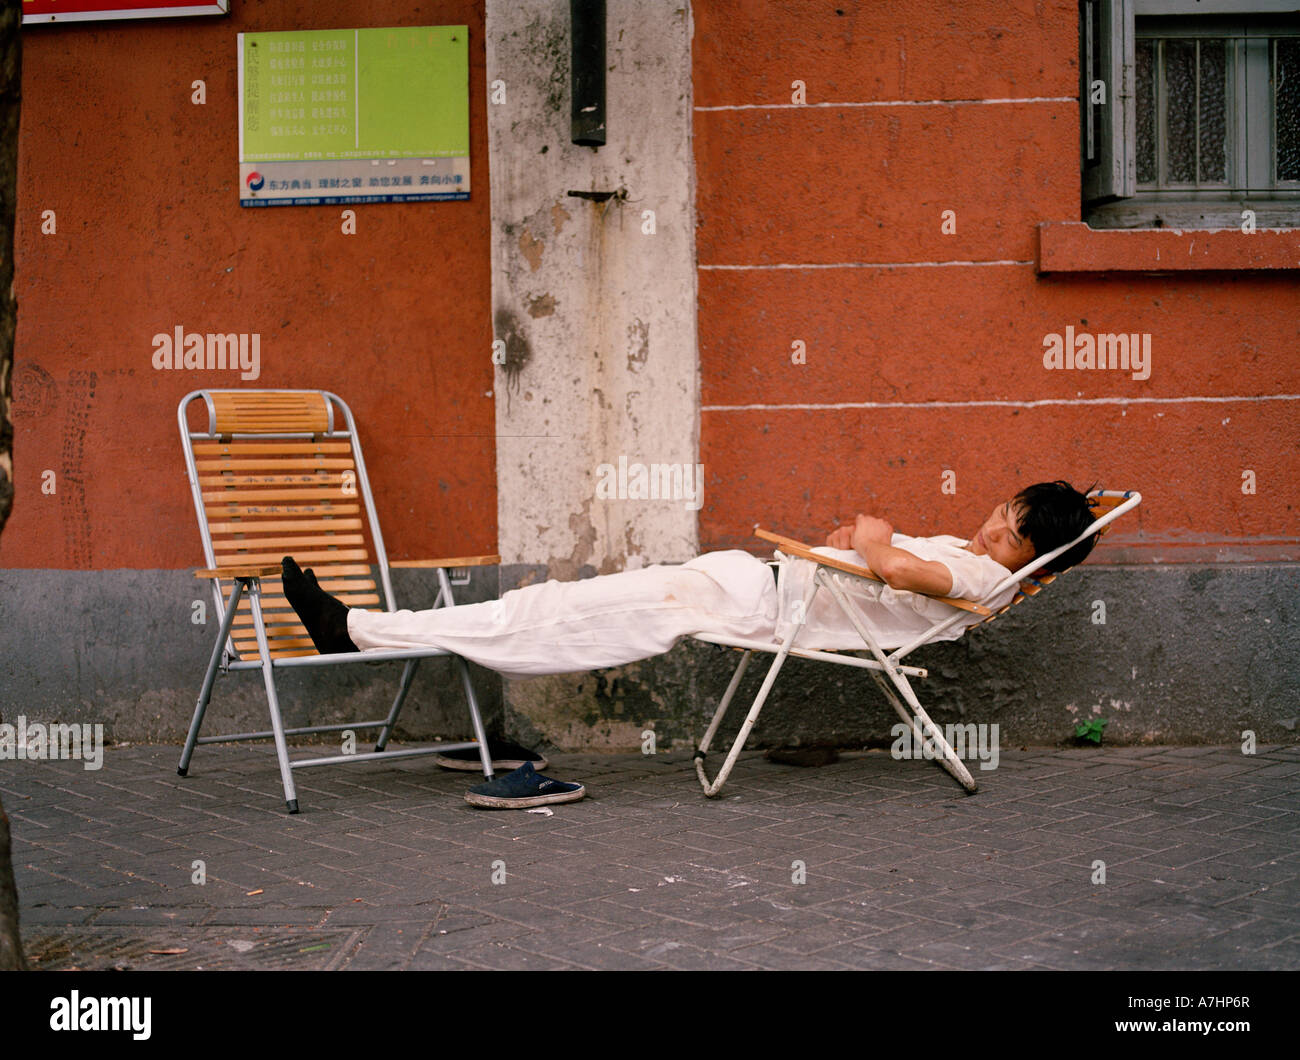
(1052, 514)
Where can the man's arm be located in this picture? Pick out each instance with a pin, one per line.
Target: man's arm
(869, 538)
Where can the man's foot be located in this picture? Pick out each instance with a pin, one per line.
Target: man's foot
(325, 617)
(521, 789)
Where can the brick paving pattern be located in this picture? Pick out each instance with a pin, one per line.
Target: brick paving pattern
(388, 867)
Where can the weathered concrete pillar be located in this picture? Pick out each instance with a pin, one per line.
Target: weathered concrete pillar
(594, 314)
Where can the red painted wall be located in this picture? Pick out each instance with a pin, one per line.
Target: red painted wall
(144, 185)
(941, 336)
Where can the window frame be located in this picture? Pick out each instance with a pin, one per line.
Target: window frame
(1112, 197)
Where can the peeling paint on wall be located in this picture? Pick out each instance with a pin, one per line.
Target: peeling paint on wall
(531, 249)
(559, 215)
(568, 567)
(638, 339)
(542, 305)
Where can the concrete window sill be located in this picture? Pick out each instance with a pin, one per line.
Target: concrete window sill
(1071, 246)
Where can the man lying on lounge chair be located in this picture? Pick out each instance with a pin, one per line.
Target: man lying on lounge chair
(614, 619)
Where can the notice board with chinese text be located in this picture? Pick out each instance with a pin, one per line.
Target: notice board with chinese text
(355, 115)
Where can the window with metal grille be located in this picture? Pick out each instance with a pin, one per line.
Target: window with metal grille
(1217, 113)
(1190, 112)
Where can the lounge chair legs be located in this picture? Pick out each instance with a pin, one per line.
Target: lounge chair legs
(205, 693)
(476, 721)
(711, 789)
(927, 729)
(268, 676)
(253, 588)
(484, 754)
(948, 759)
(403, 686)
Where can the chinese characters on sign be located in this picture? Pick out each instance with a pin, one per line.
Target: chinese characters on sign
(369, 115)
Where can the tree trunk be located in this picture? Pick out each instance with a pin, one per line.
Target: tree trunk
(11, 948)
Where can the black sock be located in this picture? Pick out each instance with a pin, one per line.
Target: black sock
(325, 617)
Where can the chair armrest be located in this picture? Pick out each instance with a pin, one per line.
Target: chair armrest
(792, 547)
(795, 548)
(455, 561)
(257, 571)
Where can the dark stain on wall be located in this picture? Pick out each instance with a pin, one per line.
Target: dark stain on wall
(70, 486)
(506, 329)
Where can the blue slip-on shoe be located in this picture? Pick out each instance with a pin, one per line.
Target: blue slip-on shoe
(523, 788)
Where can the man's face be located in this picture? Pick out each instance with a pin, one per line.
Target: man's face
(1000, 538)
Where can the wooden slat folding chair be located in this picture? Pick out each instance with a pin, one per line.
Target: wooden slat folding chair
(280, 472)
(833, 576)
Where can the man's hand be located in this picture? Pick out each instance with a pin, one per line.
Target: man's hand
(872, 539)
(868, 530)
(840, 537)
(865, 528)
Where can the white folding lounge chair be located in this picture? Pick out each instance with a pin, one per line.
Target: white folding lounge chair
(833, 576)
(275, 473)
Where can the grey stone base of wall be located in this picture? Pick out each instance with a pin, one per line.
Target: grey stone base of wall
(120, 648)
(1186, 655)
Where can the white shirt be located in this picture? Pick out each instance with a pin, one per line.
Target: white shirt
(894, 616)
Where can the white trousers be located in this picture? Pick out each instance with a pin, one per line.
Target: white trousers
(569, 627)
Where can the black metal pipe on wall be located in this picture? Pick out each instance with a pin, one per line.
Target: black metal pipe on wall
(587, 72)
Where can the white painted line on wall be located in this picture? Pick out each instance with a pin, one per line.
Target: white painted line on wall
(862, 265)
(997, 404)
(894, 103)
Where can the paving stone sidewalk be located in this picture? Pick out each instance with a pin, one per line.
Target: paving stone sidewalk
(389, 868)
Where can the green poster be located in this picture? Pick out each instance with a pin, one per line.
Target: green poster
(357, 115)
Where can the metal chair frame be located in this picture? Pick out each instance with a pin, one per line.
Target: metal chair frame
(834, 577)
(247, 582)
